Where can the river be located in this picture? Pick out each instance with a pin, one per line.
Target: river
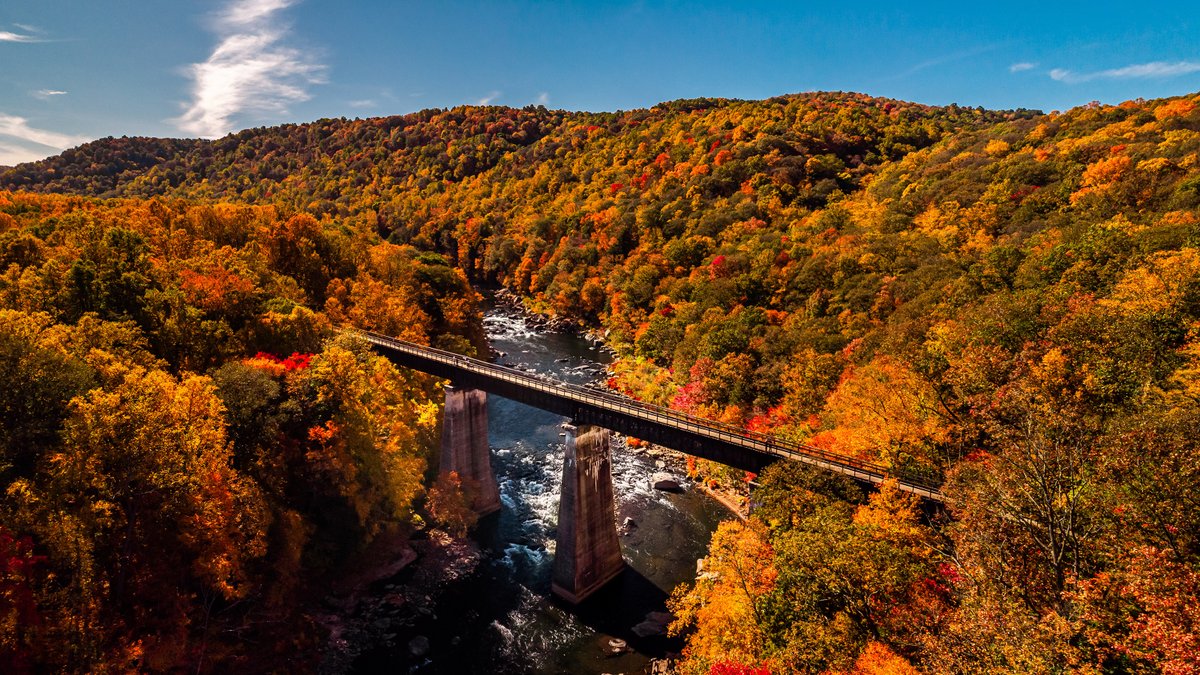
(502, 618)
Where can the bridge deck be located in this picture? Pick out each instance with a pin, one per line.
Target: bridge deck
(719, 442)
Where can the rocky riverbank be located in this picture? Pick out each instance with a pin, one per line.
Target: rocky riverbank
(506, 298)
(388, 603)
(666, 458)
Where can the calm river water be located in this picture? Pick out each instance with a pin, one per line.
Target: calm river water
(502, 618)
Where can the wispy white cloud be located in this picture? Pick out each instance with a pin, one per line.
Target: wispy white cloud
(487, 100)
(1152, 70)
(251, 12)
(1021, 67)
(363, 103)
(28, 34)
(251, 70)
(46, 94)
(945, 59)
(18, 127)
(20, 142)
(12, 155)
(9, 36)
(543, 98)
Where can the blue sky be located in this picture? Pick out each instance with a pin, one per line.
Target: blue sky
(75, 70)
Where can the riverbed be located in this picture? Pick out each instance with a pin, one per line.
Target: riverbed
(501, 618)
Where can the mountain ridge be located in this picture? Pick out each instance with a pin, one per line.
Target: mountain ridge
(150, 152)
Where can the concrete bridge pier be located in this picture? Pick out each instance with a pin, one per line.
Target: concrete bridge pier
(588, 552)
(465, 445)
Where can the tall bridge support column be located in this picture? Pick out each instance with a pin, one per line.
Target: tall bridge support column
(588, 552)
(465, 445)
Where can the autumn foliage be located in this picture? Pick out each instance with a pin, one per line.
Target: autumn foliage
(1005, 302)
(185, 443)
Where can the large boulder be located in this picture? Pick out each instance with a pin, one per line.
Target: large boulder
(418, 646)
(665, 482)
(655, 623)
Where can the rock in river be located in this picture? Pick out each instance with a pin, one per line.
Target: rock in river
(665, 482)
(655, 623)
(418, 646)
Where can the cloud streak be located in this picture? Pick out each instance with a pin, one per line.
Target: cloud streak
(20, 142)
(28, 34)
(18, 127)
(1146, 71)
(12, 155)
(46, 94)
(944, 59)
(1021, 67)
(487, 100)
(250, 12)
(9, 36)
(251, 70)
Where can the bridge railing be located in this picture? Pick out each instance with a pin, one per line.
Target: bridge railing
(754, 440)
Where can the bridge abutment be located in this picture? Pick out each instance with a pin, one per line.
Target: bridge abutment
(465, 445)
(588, 551)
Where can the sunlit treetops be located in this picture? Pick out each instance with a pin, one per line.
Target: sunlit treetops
(1005, 300)
(184, 439)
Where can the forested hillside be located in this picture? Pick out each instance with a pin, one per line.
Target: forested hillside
(186, 445)
(1010, 300)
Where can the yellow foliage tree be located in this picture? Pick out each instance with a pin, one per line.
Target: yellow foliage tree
(886, 412)
(726, 604)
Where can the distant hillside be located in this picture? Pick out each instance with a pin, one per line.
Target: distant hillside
(282, 161)
(98, 168)
(451, 145)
